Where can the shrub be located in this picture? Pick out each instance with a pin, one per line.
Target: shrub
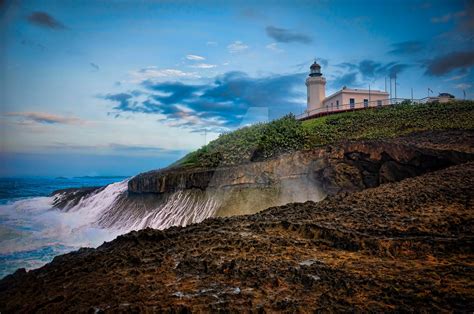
(267, 140)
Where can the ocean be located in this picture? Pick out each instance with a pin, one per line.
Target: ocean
(32, 233)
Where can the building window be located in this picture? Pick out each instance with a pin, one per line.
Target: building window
(366, 103)
(379, 103)
(337, 104)
(352, 103)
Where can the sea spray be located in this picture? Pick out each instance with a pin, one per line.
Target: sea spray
(86, 217)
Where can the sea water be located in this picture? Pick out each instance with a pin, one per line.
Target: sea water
(32, 233)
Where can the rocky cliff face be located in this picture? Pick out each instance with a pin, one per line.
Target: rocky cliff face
(344, 167)
(170, 197)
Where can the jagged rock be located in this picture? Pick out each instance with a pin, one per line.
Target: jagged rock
(403, 247)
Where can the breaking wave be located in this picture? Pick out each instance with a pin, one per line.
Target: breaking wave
(32, 231)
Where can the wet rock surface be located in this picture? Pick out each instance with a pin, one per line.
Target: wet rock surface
(66, 198)
(403, 246)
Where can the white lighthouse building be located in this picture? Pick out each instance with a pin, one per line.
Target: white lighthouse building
(342, 100)
(316, 87)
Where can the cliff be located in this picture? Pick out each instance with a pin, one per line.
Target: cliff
(343, 167)
(183, 195)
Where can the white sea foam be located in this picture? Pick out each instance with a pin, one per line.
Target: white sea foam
(33, 224)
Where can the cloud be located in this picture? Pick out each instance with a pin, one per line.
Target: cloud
(393, 69)
(448, 17)
(45, 118)
(274, 47)
(136, 148)
(348, 79)
(212, 43)
(219, 105)
(407, 47)
(457, 77)
(203, 66)
(306, 64)
(195, 58)
(370, 69)
(94, 66)
(45, 20)
(112, 148)
(287, 36)
(237, 46)
(153, 73)
(463, 86)
(444, 64)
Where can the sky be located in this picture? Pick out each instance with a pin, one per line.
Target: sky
(121, 87)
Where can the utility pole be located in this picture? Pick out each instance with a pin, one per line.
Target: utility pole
(412, 94)
(385, 84)
(396, 88)
(369, 94)
(390, 90)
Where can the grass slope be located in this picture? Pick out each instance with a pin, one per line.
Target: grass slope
(266, 140)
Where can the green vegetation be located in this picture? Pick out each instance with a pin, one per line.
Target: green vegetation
(266, 140)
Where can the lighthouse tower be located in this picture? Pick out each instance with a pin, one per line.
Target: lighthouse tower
(316, 84)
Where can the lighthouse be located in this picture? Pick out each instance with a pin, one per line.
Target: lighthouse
(316, 85)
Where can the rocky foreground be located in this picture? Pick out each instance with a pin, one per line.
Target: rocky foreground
(405, 246)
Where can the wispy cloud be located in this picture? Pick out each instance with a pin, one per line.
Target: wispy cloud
(463, 86)
(283, 35)
(114, 148)
(237, 46)
(457, 77)
(444, 64)
(274, 47)
(153, 73)
(203, 66)
(195, 58)
(407, 47)
(43, 19)
(45, 118)
(212, 43)
(447, 17)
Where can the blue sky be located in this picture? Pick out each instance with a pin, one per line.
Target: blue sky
(119, 87)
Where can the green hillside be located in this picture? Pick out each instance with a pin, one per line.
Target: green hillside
(266, 140)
